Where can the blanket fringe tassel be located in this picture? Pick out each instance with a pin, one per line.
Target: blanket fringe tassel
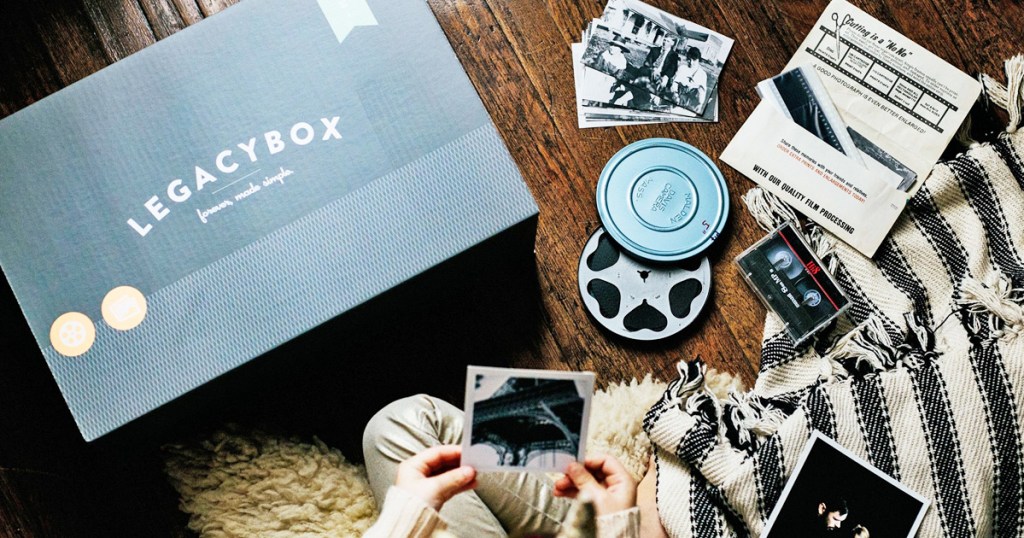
(995, 303)
(770, 212)
(755, 416)
(767, 209)
(963, 134)
(1009, 97)
(825, 247)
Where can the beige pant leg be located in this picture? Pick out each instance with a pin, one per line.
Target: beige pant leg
(517, 502)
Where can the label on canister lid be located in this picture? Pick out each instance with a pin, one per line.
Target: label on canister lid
(662, 199)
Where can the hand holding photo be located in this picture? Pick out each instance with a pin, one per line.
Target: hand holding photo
(834, 493)
(525, 420)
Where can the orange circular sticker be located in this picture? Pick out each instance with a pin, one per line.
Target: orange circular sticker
(72, 334)
(124, 308)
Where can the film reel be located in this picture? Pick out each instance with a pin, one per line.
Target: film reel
(637, 299)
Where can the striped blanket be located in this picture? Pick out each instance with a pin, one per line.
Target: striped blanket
(924, 376)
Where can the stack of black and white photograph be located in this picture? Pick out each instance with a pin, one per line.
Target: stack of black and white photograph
(638, 64)
(525, 420)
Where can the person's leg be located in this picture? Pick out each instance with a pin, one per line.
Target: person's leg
(407, 427)
(523, 501)
(619, 91)
(513, 501)
(646, 492)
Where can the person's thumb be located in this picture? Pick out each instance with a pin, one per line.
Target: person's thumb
(582, 478)
(447, 485)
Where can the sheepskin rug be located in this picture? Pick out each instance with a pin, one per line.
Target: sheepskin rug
(248, 483)
(252, 484)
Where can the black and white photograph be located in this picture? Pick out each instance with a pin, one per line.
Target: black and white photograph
(525, 420)
(599, 103)
(657, 56)
(883, 163)
(834, 493)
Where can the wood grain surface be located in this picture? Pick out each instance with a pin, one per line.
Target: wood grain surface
(517, 54)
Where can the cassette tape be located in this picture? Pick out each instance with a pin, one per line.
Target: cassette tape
(792, 282)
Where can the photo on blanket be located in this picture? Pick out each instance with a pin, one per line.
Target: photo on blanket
(525, 420)
(658, 56)
(834, 493)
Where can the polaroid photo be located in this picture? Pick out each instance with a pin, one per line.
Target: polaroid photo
(602, 113)
(597, 117)
(834, 493)
(650, 23)
(598, 90)
(640, 20)
(593, 110)
(525, 420)
(652, 51)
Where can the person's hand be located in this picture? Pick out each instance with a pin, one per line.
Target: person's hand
(435, 476)
(604, 479)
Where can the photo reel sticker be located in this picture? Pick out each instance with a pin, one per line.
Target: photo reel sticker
(832, 492)
(124, 308)
(72, 334)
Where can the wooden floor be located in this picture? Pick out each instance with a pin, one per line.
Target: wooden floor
(517, 54)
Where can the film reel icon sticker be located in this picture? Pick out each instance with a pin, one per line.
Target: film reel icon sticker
(72, 334)
(637, 299)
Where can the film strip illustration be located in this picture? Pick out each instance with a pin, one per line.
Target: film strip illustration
(882, 79)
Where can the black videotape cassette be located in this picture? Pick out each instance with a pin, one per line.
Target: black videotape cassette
(792, 282)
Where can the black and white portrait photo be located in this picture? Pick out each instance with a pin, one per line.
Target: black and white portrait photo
(600, 99)
(833, 493)
(525, 420)
(656, 56)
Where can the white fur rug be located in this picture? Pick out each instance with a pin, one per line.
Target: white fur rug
(242, 484)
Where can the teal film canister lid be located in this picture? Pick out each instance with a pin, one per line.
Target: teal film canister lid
(662, 199)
